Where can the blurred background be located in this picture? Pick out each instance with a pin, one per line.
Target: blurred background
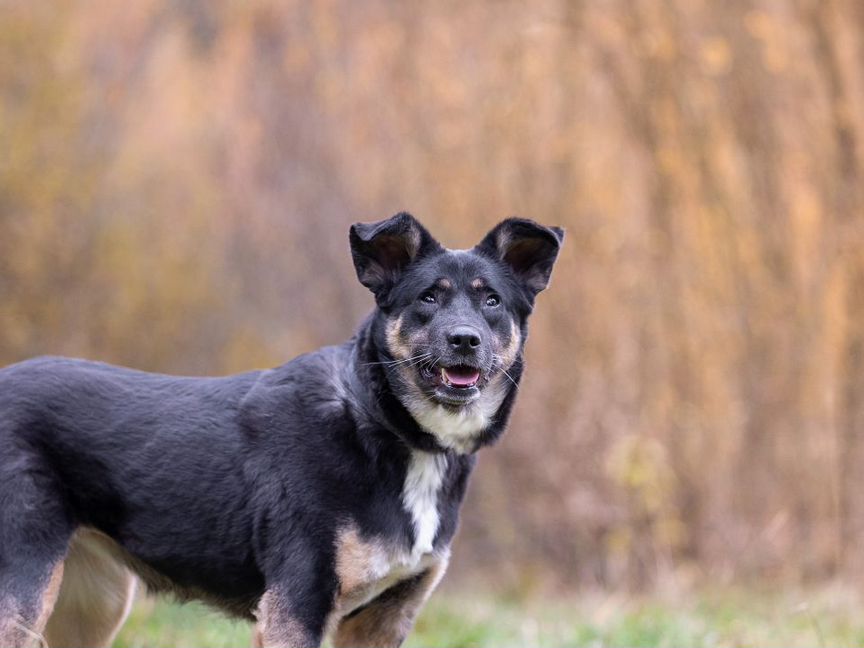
(177, 178)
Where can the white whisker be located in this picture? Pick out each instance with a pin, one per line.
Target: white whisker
(412, 360)
(497, 358)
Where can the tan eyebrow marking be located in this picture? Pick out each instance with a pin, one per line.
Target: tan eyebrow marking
(478, 283)
(444, 284)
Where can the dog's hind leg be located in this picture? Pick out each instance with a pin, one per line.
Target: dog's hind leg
(34, 534)
(25, 606)
(95, 597)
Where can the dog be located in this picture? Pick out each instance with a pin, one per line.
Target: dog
(318, 499)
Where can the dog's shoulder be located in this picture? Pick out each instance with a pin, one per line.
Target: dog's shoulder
(312, 385)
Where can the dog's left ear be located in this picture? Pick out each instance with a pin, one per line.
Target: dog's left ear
(530, 249)
(382, 250)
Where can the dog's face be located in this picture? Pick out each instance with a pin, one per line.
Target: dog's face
(454, 321)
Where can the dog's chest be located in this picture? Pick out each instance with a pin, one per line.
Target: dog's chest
(420, 493)
(367, 567)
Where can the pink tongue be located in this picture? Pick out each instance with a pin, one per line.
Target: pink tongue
(462, 377)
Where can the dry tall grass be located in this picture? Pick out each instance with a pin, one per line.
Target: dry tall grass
(177, 178)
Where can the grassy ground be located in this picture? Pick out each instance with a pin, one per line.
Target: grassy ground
(829, 617)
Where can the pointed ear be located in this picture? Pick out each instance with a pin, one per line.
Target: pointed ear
(382, 250)
(530, 249)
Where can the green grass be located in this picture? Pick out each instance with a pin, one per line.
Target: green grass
(828, 617)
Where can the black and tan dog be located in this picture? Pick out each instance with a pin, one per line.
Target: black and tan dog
(319, 497)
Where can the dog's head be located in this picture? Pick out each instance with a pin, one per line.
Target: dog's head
(451, 324)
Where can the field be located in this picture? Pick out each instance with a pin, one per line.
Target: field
(827, 617)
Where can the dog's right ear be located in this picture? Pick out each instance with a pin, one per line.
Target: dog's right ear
(382, 250)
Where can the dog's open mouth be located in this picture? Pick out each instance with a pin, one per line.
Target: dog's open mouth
(455, 385)
(460, 376)
(456, 376)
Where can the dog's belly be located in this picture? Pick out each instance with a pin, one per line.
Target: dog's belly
(233, 588)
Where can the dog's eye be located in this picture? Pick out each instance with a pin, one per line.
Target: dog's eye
(493, 300)
(427, 297)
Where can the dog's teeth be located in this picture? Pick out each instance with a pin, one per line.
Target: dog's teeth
(444, 376)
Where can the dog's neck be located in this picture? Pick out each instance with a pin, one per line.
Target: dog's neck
(373, 388)
(432, 471)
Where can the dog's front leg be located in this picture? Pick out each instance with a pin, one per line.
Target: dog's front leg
(388, 619)
(291, 619)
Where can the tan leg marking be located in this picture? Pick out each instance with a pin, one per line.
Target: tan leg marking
(277, 626)
(358, 563)
(15, 629)
(95, 596)
(387, 620)
(22, 627)
(49, 596)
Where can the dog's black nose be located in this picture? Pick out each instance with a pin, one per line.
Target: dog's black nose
(464, 338)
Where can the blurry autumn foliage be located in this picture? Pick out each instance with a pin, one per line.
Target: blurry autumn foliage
(177, 178)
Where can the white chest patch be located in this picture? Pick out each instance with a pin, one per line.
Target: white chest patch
(420, 497)
(458, 430)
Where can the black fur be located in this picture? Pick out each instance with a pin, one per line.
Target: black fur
(219, 488)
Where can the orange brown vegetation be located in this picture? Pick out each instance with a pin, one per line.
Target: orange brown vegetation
(177, 178)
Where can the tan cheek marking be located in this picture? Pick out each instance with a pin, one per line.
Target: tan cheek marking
(355, 560)
(508, 353)
(397, 347)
